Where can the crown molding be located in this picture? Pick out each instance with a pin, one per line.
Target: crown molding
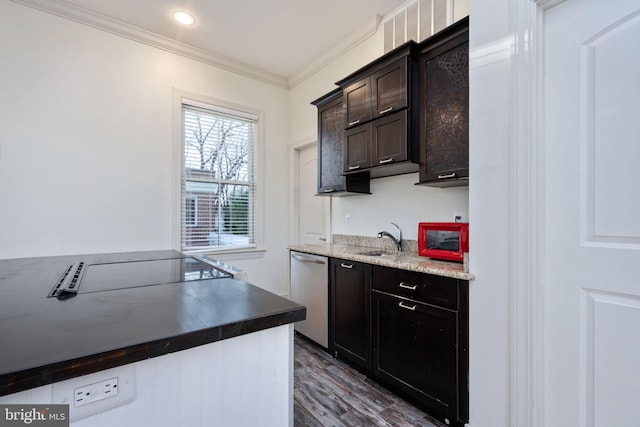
(547, 4)
(345, 45)
(84, 16)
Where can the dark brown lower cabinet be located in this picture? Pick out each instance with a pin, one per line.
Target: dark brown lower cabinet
(420, 339)
(350, 332)
(415, 350)
(406, 329)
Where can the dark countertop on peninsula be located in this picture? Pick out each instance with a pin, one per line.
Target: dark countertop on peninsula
(45, 340)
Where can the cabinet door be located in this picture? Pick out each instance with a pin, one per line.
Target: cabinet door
(389, 87)
(390, 139)
(330, 140)
(415, 349)
(444, 118)
(357, 103)
(350, 311)
(356, 148)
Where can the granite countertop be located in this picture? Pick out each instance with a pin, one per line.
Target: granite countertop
(351, 248)
(45, 340)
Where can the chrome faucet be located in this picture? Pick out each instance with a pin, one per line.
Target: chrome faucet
(397, 240)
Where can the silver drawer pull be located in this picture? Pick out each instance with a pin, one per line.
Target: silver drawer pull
(451, 175)
(408, 307)
(343, 265)
(386, 110)
(329, 190)
(407, 286)
(354, 167)
(382, 162)
(355, 122)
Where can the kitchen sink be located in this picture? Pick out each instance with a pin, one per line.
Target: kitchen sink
(377, 253)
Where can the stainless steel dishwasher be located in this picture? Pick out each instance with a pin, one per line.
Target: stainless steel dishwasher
(310, 287)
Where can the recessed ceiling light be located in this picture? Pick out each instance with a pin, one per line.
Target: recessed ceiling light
(184, 18)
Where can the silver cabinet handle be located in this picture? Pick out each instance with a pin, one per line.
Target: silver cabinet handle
(386, 110)
(343, 265)
(451, 175)
(407, 286)
(355, 122)
(329, 190)
(382, 162)
(354, 167)
(303, 258)
(408, 307)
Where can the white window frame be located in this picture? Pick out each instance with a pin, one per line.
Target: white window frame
(181, 97)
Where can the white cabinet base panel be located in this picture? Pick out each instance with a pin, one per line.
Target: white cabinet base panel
(241, 381)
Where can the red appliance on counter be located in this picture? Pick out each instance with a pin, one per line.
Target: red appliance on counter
(447, 241)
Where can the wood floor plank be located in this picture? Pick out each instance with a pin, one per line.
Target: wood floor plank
(329, 393)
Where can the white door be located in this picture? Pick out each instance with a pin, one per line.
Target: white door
(591, 250)
(312, 211)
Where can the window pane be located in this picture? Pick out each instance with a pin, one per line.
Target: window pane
(190, 210)
(218, 180)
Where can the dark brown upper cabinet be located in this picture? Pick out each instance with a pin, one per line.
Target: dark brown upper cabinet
(380, 115)
(389, 87)
(331, 181)
(357, 103)
(444, 107)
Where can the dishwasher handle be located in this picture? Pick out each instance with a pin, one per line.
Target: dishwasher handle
(306, 258)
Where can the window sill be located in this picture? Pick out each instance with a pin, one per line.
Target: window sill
(232, 255)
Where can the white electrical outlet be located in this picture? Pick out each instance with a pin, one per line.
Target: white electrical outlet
(96, 391)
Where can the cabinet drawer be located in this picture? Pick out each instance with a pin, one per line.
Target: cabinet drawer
(435, 290)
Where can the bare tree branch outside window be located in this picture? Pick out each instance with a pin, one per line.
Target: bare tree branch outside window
(218, 171)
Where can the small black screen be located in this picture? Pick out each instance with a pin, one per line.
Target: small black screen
(443, 240)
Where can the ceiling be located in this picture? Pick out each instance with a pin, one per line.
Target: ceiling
(279, 37)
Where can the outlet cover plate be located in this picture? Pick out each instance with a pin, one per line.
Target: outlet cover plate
(100, 388)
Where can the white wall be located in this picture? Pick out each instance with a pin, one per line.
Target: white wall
(393, 199)
(490, 211)
(86, 149)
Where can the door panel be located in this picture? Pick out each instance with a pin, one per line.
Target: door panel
(591, 212)
(357, 103)
(312, 211)
(415, 347)
(356, 148)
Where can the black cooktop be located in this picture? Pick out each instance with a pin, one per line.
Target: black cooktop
(81, 277)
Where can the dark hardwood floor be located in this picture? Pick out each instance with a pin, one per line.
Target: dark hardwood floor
(329, 393)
